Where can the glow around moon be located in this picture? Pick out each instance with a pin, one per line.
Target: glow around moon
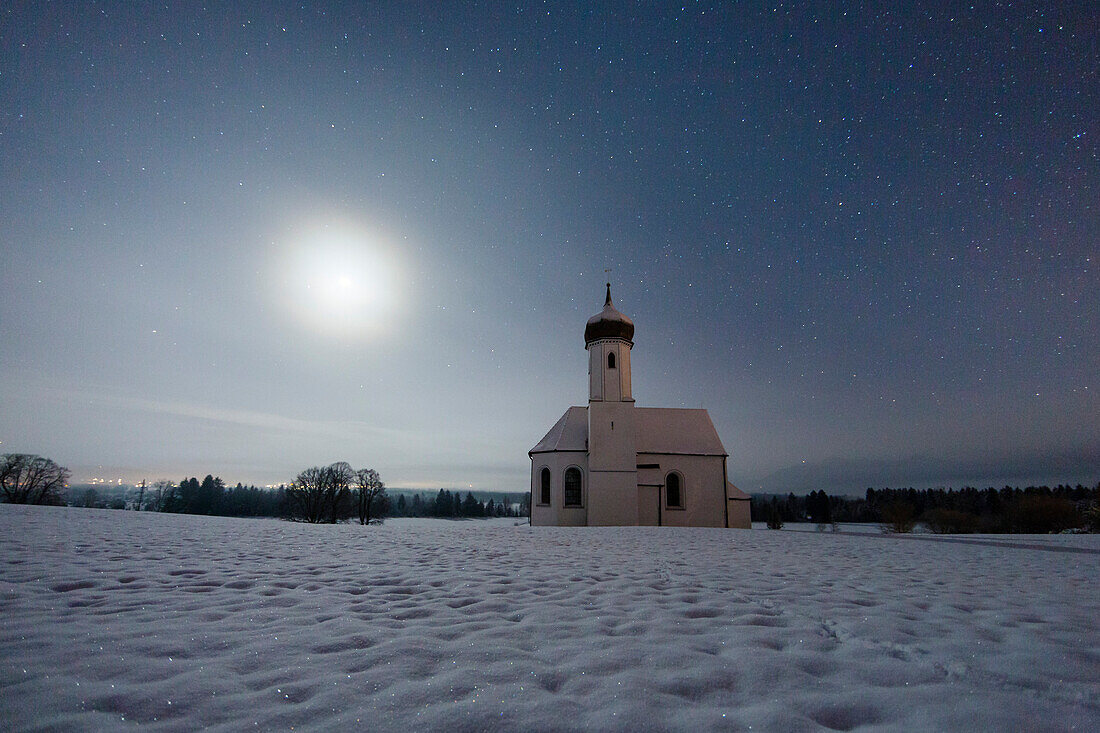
(340, 279)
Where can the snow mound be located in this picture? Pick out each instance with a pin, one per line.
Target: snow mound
(181, 622)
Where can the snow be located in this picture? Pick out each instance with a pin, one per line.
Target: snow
(181, 622)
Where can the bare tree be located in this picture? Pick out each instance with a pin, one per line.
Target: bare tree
(139, 503)
(321, 494)
(1092, 515)
(30, 479)
(338, 490)
(165, 496)
(898, 516)
(306, 495)
(369, 489)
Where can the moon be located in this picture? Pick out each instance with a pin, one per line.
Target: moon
(341, 280)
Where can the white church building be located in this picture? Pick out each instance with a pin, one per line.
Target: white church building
(612, 463)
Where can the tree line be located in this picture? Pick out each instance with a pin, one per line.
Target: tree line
(451, 505)
(333, 493)
(1031, 510)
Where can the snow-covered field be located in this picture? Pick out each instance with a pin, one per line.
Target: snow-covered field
(177, 622)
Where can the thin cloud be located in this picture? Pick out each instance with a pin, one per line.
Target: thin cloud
(220, 415)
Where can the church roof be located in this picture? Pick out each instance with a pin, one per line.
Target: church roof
(676, 430)
(735, 493)
(608, 323)
(666, 430)
(568, 433)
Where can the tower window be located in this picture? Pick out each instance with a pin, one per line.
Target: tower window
(544, 486)
(572, 488)
(611, 360)
(674, 491)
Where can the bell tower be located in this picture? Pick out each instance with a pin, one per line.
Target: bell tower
(612, 451)
(607, 336)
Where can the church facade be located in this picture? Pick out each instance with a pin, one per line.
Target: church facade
(612, 463)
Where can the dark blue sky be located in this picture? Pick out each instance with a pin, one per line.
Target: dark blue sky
(246, 240)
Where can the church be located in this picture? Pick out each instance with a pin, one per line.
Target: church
(612, 463)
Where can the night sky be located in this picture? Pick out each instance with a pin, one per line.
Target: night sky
(247, 240)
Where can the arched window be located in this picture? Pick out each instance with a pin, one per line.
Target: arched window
(572, 489)
(674, 491)
(544, 486)
(611, 360)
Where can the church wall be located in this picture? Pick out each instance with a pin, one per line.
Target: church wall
(605, 383)
(612, 459)
(617, 380)
(557, 514)
(595, 372)
(611, 436)
(614, 499)
(704, 489)
(648, 497)
(740, 515)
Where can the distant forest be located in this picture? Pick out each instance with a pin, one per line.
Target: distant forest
(1033, 510)
(211, 496)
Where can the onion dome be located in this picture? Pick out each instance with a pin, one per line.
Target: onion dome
(608, 324)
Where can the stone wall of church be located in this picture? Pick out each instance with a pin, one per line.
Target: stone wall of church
(556, 513)
(614, 499)
(609, 371)
(740, 515)
(703, 489)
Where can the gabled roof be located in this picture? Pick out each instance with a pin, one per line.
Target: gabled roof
(569, 433)
(676, 430)
(658, 430)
